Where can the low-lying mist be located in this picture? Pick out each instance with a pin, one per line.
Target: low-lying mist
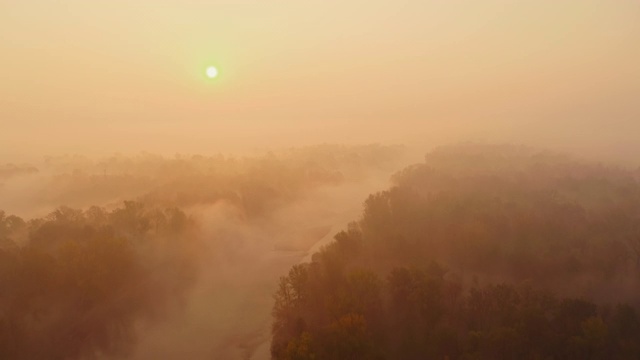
(324, 251)
(202, 239)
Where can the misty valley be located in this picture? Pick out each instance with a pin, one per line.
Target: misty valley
(319, 180)
(322, 252)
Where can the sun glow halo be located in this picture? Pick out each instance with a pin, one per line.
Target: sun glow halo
(212, 72)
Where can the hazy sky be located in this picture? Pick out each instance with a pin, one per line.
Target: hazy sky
(98, 76)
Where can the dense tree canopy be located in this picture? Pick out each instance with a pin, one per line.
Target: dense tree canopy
(480, 252)
(75, 283)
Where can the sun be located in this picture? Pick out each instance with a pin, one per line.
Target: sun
(212, 72)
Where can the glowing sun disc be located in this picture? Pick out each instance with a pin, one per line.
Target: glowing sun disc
(212, 72)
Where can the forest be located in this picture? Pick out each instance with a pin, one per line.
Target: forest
(105, 258)
(479, 252)
(325, 252)
(82, 278)
(319, 180)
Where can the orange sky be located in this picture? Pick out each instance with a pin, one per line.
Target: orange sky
(99, 77)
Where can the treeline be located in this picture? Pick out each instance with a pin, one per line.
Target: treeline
(74, 284)
(255, 184)
(481, 252)
(8, 171)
